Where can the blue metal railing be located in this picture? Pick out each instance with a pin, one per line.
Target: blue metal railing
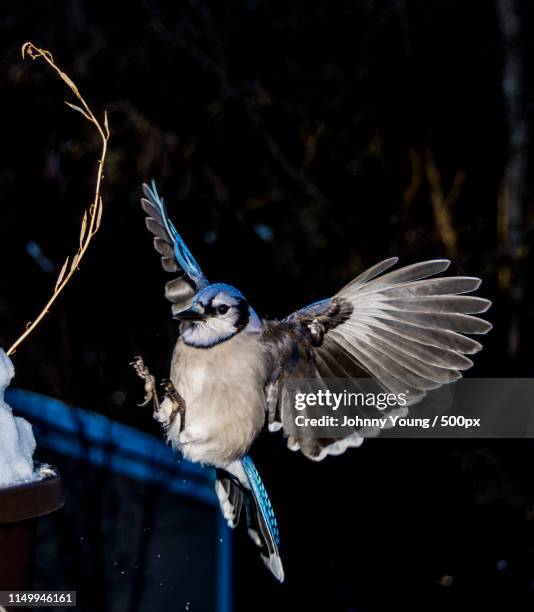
(91, 437)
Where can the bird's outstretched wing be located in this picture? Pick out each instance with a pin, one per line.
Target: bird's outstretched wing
(175, 256)
(402, 328)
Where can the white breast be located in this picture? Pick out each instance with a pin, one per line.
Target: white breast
(223, 389)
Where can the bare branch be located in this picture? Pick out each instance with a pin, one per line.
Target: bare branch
(92, 217)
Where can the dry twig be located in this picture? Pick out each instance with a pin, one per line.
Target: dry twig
(93, 215)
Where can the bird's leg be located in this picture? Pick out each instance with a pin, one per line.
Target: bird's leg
(171, 404)
(150, 383)
(175, 404)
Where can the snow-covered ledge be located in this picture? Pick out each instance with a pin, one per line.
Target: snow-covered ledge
(17, 442)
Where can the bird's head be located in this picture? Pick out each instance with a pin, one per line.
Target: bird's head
(218, 312)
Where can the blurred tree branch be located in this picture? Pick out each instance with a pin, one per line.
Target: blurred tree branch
(510, 203)
(442, 205)
(188, 36)
(416, 180)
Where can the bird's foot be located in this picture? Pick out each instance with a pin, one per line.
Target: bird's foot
(177, 404)
(150, 382)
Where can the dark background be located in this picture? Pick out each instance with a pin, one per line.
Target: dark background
(296, 143)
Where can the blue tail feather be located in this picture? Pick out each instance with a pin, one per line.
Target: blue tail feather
(260, 493)
(239, 485)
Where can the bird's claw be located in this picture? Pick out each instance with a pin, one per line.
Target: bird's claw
(177, 403)
(150, 382)
(169, 390)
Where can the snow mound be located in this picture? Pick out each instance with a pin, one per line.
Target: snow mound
(17, 442)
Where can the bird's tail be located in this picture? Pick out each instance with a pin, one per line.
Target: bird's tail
(240, 485)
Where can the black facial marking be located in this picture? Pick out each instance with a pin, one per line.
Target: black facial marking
(242, 308)
(209, 309)
(243, 317)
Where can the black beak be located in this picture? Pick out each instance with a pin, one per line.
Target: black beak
(191, 314)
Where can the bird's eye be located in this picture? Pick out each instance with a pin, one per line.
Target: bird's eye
(222, 309)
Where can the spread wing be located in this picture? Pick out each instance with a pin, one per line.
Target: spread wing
(175, 256)
(402, 328)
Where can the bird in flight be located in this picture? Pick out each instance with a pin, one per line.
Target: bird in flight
(404, 328)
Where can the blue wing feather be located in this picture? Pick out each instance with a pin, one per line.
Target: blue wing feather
(183, 255)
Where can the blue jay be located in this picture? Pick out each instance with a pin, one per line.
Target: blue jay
(403, 328)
